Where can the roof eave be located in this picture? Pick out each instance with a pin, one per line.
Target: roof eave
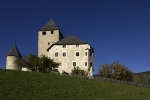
(64, 44)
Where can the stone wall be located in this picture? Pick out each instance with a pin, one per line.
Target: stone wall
(45, 41)
(10, 63)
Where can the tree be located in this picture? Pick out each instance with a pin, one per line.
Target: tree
(29, 61)
(78, 71)
(47, 65)
(38, 64)
(142, 78)
(105, 70)
(116, 71)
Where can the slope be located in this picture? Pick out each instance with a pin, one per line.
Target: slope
(17, 85)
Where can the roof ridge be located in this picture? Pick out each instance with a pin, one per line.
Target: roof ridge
(68, 40)
(72, 39)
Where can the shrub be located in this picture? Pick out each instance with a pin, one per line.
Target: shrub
(116, 71)
(65, 73)
(78, 71)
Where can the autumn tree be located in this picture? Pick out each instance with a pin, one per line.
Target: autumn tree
(105, 70)
(116, 71)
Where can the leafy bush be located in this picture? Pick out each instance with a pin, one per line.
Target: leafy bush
(116, 71)
(78, 71)
(65, 73)
(38, 64)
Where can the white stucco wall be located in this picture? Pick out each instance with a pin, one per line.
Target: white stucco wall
(24, 69)
(10, 63)
(67, 62)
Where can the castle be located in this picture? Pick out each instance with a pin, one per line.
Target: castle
(69, 51)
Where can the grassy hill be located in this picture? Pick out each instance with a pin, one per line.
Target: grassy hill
(146, 72)
(16, 85)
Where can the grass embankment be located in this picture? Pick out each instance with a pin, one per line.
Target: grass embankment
(16, 85)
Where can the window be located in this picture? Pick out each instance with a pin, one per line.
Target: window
(64, 54)
(48, 43)
(90, 53)
(85, 63)
(90, 63)
(85, 53)
(77, 45)
(56, 54)
(43, 33)
(64, 46)
(74, 63)
(51, 32)
(77, 53)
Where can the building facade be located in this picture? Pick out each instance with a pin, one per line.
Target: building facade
(69, 51)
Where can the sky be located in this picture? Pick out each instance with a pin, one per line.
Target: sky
(118, 30)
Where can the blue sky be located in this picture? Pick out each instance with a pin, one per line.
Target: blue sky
(119, 30)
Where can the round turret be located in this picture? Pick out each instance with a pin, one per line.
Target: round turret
(11, 57)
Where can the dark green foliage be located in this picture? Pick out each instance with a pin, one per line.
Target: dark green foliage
(29, 61)
(17, 85)
(116, 71)
(38, 64)
(65, 73)
(78, 71)
(47, 65)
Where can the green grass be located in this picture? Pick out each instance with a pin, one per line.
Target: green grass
(17, 85)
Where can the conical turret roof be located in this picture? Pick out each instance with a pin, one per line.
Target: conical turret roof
(49, 26)
(14, 52)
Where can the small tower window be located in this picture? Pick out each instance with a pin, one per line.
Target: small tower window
(64, 54)
(51, 32)
(64, 46)
(48, 43)
(77, 53)
(43, 33)
(74, 63)
(90, 63)
(77, 45)
(90, 53)
(56, 54)
(85, 53)
(85, 63)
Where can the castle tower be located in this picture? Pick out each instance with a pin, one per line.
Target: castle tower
(48, 35)
(11, 57)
